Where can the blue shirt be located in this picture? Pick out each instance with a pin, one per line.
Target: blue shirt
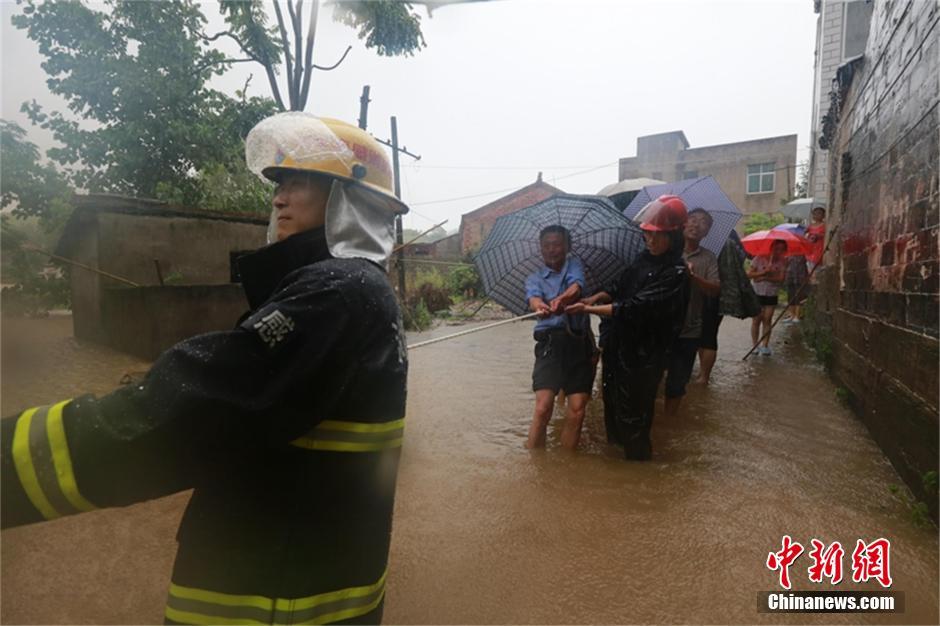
(548, 284)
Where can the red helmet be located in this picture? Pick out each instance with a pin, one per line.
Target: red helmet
(663, 213)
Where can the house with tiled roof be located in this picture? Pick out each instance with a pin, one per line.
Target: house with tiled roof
(476, 225)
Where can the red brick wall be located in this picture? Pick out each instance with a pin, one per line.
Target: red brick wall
(879, 293)
(474, 228)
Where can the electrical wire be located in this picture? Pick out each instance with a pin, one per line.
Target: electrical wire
(489, 193)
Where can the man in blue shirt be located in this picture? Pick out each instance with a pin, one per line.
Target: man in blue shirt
(563, 349)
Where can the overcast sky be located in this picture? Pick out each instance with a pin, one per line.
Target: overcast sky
(508, 88)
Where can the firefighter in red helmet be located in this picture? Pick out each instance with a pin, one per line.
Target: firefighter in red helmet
(647, 307)
(287, 427)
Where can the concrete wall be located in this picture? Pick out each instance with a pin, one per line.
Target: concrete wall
(878, 297)
(145, 321)
(86, 286)
(123, 236)
(447, 248)
(727, 163)
(197, 250)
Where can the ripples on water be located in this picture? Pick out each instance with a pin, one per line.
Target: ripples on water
(488, 532)
(554, 537)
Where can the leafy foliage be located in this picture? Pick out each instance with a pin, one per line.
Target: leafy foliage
(802, 183)
(391, 28)
(26, 185)
(464, 281)
(137, 71)
(417, 316)
(762, 221)
(32, 284)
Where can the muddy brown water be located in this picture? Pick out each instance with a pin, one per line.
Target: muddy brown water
(488, 532)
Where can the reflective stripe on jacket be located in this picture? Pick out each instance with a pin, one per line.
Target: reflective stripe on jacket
(288, 428)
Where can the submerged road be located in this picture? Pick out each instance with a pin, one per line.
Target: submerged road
(488, 532)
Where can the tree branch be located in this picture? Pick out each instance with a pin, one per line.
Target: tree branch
(233, 37)
(245, 88)
(223, 61)
(216, 36)
(272, 79)
(311, 32)
(286, 45)
(335, 65)
(269, 70)
(298, 47)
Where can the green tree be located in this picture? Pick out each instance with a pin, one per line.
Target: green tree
(138, 72)
(390, 27)
(39, 201)
(28, 187)
(762, 221)
(802, 183)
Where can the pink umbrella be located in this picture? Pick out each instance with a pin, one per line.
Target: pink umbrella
(759, 243)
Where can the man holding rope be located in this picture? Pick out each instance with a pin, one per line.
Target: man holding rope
(288, 427)
(563, 349)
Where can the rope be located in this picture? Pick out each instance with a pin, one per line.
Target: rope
(421, 344)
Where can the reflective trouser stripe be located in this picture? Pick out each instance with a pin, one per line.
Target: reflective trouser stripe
(190, 605)
(43, 464)
(338, 436)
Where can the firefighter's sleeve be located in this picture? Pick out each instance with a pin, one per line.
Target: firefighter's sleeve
(206, 403)
(668, 293)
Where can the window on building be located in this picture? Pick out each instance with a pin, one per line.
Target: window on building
(689, 174)
(760, 178)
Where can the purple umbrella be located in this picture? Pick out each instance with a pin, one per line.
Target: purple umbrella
(696, 192)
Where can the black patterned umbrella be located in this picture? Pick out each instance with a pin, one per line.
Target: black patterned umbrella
(604, 240)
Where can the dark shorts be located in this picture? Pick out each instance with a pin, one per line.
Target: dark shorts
(679, 366)
(767, 300)
(710, 323)
(796, 293)
(563, 362)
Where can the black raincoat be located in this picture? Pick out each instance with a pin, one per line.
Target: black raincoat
(288, 427)
(649, 307)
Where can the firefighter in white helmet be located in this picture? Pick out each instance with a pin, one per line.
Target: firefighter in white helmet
(288, 427)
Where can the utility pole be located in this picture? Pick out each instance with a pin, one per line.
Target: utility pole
(364, 107)
(399, 239)
(393, 144)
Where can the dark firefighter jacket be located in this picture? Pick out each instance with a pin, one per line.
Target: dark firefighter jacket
(289, 427)
(649, 307)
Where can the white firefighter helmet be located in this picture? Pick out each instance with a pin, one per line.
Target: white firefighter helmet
(362, 205)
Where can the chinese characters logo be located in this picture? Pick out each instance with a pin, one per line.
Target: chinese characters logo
(869, 561)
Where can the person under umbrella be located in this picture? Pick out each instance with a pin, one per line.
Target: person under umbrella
(702, 192)
(767, 272)
(563, 349)
(704, 283)
(795, 278)
(648, 307)
(523, 258)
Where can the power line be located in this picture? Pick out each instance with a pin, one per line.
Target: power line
(498, 167)
(489, 193)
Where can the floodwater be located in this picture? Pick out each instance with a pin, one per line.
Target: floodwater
(488, 532)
